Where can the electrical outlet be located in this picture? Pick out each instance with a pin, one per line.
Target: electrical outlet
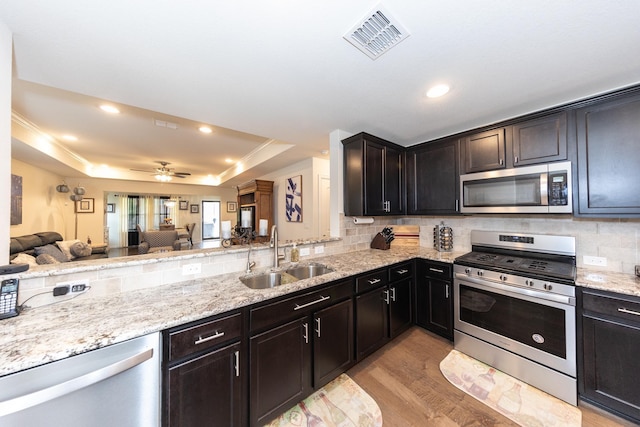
(305, 251)
(319, 249)
(594, 260)
(74, 286)
(194, 268)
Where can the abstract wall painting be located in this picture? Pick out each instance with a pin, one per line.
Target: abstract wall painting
(293, 202)
(16, 199)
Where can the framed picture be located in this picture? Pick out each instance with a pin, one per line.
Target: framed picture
(232, 206)
(293, 199)
(195, 208)
(184, 205)
(84, 206)
(111, 207)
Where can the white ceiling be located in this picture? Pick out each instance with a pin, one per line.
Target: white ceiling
(279, 72)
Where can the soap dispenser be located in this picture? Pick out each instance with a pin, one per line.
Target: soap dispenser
(295, 253)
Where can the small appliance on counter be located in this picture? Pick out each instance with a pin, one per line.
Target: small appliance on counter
(442, 238)
(383, 239)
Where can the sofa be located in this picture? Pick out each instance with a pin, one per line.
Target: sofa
(159, 241)
(49, 247)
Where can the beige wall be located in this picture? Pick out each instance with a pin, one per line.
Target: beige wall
(5, 137)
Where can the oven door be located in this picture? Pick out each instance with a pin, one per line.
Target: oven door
(536, 325)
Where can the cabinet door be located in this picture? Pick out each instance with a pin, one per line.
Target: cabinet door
(374, 178)
(197, 383)
(432, 178)
(434, 306)
(484, 151)
(399, 307)
(393, 182)
(280, 369)
(611, 365)
(332, 342)
(608, 157)
(371, 321)
(540, 141)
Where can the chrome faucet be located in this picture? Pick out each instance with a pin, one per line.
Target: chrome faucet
(274, 244)
(250, 264)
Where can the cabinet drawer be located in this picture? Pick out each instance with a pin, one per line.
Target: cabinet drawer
(290, 308)
(399, 272)
(205, 335)
(372, 280)
(437, 270)
(619, 306)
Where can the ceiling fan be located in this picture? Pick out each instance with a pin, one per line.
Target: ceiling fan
(164, 173)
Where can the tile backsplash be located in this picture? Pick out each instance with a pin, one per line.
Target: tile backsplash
(617, 240)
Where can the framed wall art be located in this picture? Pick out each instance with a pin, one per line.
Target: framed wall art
(232, 207)
(184, 205)
(195, 208)
(85, 206)
(16, 199)
(293, 199)
(111, 207)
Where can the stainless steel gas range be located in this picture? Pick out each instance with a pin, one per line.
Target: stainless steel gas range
(514, 307)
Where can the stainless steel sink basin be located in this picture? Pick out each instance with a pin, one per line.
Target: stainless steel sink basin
(310, 270)
(262, 281)
(271, 280)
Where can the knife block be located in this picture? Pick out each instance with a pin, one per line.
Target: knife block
(379, 242)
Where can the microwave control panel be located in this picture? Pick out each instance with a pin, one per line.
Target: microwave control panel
(558, 189)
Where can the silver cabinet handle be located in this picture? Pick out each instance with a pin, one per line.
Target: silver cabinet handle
(306, 332)
(386, 296)
(26, 401)
(201, 340)
(237, 362)
(446, 291)
(515, 159)
(437, 270)
(624, 310)
(318, 327)
(298, 307)
(501, 162)
(374, 281)
(457, 208)
(393, 294)
(402, 271)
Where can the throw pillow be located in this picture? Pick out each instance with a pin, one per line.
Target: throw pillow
(46, 259)
(65, 247)
(53, 251)
(80, 249)
(24, 259)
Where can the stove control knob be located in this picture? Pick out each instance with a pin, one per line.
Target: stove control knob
(529, 282)
(467, 270)
(548, 286)
(480, 273)
(503, 277)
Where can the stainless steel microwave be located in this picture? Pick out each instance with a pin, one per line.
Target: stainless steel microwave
(532, 189)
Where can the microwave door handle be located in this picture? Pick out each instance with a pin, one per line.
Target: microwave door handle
(544, 189)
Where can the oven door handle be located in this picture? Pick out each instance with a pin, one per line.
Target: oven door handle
(494, 286)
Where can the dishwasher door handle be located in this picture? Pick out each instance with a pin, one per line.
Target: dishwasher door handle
(29, 400)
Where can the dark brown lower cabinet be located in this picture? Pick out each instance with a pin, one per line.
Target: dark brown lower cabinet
(207, 390)
(372, 321)
(400, 318)
(332, 342)
(610, 368)
(434, 298)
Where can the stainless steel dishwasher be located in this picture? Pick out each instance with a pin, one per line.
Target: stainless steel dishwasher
(118, 385)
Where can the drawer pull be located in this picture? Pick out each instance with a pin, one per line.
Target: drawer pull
(402, 271)
(200, 340)
(624, 310)
(374, 281)
(437, 270)
(298, 307)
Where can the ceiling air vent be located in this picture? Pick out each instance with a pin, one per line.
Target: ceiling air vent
(376, 33)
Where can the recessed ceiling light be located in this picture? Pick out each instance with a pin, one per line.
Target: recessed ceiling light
(205, 129)
(69, 138)
(228, 160)
(437, 91)
(109, 109)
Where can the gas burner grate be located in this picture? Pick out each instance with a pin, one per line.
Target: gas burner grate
(538, 265)
(487, 257)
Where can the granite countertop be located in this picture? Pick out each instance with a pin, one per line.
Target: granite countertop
(45, 334)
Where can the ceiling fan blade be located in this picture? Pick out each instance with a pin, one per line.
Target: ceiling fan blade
(181, 173)
(142, 170)
(180, 176)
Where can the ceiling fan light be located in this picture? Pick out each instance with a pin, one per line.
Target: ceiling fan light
(163, 178)
(205, 129)
(437, 91)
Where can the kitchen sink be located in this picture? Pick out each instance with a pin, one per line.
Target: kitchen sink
(310, 270)
(271, 280)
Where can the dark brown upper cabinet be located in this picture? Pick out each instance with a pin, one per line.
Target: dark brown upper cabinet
(484, 151)
(432, 178)
(373, 176)
(608, 137)
(539, 140)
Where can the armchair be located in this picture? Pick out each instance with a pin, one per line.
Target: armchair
(159, 241)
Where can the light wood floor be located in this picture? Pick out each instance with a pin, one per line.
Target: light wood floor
(405, 380)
